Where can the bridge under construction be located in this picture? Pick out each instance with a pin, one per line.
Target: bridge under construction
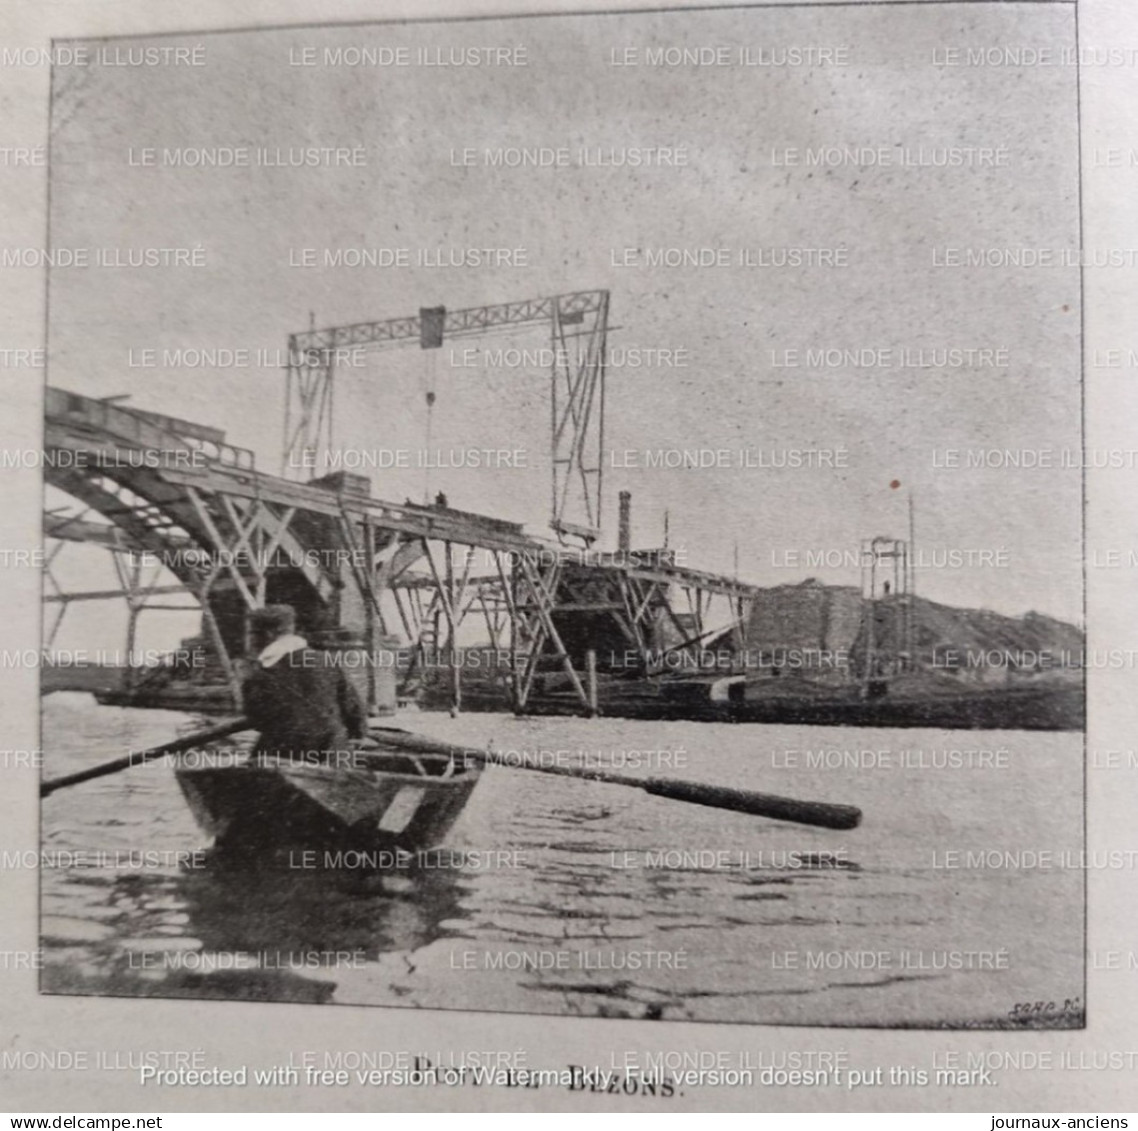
(172, 497)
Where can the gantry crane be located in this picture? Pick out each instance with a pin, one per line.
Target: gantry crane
(578, 325)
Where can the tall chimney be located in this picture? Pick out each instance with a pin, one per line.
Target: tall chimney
(624, 528)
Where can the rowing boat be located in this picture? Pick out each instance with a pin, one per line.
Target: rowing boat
(376, 797)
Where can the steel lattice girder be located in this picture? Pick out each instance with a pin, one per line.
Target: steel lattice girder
(577, 432)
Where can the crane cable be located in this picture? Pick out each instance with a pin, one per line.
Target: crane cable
(429, 396)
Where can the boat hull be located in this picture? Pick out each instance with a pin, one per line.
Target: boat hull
(202, 699)
(397, 803)
(1050, 708)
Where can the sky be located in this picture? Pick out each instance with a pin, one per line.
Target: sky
(742, 331)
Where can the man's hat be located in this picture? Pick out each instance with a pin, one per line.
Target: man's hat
(276, 620)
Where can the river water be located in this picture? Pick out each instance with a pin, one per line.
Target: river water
(959, 899)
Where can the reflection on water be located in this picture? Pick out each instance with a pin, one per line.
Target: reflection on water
(216, 931)
(580, 898)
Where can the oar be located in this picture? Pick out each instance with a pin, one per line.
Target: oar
(820, 813)
(136, 759)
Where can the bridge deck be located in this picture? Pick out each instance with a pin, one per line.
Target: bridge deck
(108, 434)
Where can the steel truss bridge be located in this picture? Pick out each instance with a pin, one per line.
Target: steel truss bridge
(165, 494)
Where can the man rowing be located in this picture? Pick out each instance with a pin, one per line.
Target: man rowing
(303, 705)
